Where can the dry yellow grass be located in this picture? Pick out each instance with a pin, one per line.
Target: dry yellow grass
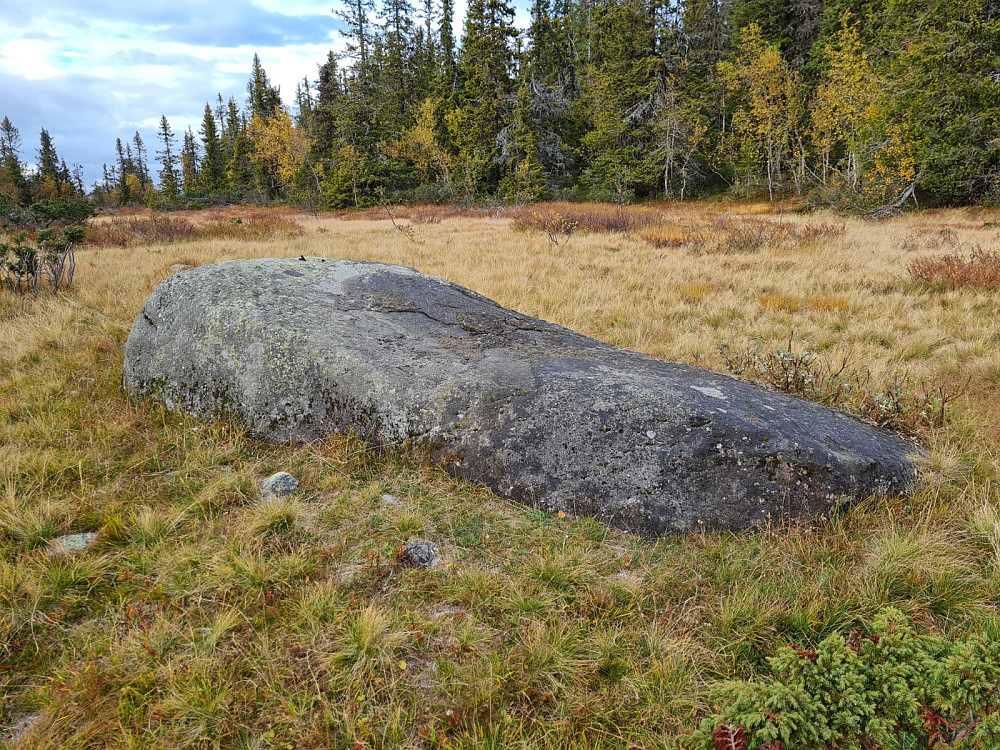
(846, 297)
(206, 619)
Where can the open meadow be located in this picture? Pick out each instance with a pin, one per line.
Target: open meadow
(202, 617)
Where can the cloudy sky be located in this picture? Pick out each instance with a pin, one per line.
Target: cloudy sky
(90, 72)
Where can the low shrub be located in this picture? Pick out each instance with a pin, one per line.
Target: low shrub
(153, 228)
(27, 260)
(895, 405)
(821, 231)
(676, 235)
(554, 224)
(883, 686)
(421, 213)
(569, 218)
(720, 230)
(45, 214)
(261, 225)
(124, 231)
(738, 234)
(743, 234)
(980, 269)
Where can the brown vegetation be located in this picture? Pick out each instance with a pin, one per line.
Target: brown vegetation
(980, 269)
(146, 228)
(721, 228)
(424, 213)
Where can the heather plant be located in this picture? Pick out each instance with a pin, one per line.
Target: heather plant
(883, 686)
(979, 269)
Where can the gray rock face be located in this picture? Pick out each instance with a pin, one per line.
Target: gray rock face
(281, 484)
(301, 348)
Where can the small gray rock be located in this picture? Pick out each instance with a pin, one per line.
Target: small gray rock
(71, 543)
(419, 554)
(281, 484)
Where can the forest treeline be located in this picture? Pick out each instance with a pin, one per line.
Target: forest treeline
(851, 103)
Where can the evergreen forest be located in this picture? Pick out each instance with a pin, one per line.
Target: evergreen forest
(855, 104)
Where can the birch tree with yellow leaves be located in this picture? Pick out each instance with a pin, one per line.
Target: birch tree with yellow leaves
(278, 147)
(846, 106)
(771, 101)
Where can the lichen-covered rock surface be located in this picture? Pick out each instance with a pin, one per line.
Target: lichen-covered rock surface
(298, 349)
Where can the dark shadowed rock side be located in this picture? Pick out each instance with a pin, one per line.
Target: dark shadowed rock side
(298, 349)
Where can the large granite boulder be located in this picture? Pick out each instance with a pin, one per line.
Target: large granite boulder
(298, 349)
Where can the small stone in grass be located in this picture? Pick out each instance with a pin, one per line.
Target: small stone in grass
(281, 484)
(71, 543)
(20, 728)
(419, 554)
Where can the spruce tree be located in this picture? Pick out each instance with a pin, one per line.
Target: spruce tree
(485, 91)
(141, 161)
(622, 80)
(354, 15)
(189, 162)
(48, 160)
(395, 74)
(544, 129)
(212, 176)
(78, 178)
(13, 185)
(329, 103)
(944, 99)
(238, 170)
(425, 49)
(305, 105)
(120, 173)
(168, 160)
(774, 20)
(263, 99)
(449, 68)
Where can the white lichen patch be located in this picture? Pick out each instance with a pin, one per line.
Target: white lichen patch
(710, 391)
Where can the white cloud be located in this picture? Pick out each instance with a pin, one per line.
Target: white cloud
(66, 67)
(301, 8)
(29, 59)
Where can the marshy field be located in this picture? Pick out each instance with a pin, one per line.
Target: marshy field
(204, 617)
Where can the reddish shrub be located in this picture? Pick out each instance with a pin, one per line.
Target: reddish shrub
(568, 218)
(122, 231)
(981, 269)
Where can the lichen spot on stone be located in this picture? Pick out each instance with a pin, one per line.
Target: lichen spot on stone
(710, 391)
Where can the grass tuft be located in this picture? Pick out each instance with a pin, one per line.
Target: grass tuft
(369, 644)
(274, 515)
